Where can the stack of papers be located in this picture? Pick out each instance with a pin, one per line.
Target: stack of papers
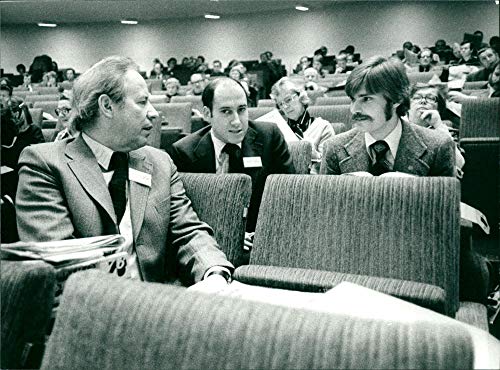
(64, 252)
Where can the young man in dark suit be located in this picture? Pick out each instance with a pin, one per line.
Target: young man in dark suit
(232, 143)
(382, 140)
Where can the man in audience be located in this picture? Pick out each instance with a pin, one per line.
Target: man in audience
(311, 78)
(466, 51)
(217, 69)
(64, 127)
(198, 83)
(232, 143)
(70, 74)
(382, 140)
(492, 90)
(488, 57)
(5, 94)
(106, 181)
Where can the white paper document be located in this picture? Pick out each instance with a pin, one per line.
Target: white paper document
(274, 116)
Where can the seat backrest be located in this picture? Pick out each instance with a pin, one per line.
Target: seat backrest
(176, 115)
(169, 135)
(35, 98)
(301, 152)
(481, 181)
(46, 106)
(154, 85)
(475, 85)
(36, 116)
(266, 103)
(28, 290)
(333, 100)
(256, 112)
(363, 225)
(333, 113)
(111, 323)
(195, 101)
(336, 93)
(160, 98)
(422, 77)
(221, 201)
(480, 118)
(42, 90)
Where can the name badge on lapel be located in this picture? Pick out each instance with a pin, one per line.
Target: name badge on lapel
(252, 162)
(139, 177)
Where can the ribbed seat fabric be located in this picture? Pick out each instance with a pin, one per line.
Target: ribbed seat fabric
(220, 200)
(177, 115)
(27, 298)
(333, 113)
(301, 155)
(480, 118)
(109, 323)
(400, 228)
(333, 100)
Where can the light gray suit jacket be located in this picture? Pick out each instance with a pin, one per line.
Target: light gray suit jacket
(62, 194)
(421, 152)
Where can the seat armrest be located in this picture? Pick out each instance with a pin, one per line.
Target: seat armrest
(424, 295)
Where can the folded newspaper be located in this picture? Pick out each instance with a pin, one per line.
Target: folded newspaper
(64, 252)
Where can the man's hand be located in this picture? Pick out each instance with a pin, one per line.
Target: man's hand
(459, 97)
(248, 243)
(211, 284)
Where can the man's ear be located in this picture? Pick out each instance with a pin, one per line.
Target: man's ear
(105, 105)
(207, 115)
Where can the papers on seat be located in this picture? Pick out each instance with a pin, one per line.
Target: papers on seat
(274, 116)
(64, 252)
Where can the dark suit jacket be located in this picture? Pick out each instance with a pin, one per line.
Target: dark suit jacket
(63, 195)
(421, 152)
(195, 153)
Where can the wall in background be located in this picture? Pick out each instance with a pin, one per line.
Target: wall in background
(372, 27)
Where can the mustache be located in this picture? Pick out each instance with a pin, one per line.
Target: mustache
(359, 116)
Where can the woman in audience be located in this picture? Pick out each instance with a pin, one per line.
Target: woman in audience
(236, 73)
(293, 102)
(427, 107)
(172, 86)
(157, 71)
(64, 128)
(49, 79)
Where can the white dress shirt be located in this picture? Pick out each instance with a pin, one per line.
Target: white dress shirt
(392, 140)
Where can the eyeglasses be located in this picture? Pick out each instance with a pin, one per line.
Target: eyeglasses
(287, 101)
(427, 98)
(64, 111)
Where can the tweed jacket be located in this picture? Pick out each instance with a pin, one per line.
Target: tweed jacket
(196, 153)
(421, 152)
(63, 194)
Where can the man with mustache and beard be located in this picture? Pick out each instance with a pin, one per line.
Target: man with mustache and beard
(382, 140)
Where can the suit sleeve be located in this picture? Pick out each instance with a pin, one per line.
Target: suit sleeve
(41, 209)
(445, 160)
(193, 239)
(330, 162)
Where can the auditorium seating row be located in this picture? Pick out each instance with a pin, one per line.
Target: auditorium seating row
(313, 232)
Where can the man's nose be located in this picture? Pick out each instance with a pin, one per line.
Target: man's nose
(235, 119)
(152, 112)
(354, 107)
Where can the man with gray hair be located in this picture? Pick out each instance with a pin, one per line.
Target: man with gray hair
(106, 181)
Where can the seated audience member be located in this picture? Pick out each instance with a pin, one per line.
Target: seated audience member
(232, 144)
(217, 69)
(495, 44)
(304, 63)
(467, 55)
(382, 140)
(82, 187)
(49, 79)
(293, 102)
(427, 107)
(64, 127)
(317, 64)
(443, 51)
(157, 71)
(21, 69)
(271, 73)
(342, 64)
(27, 85)
(170, 69)
(236, 73)
(488, 57)
(198, 82)
(172, 86)
(311, 78)
(480, 35)
(427, 60)
(5, 94)
(70, 74)
(456, 54)
(493, 90)
(18, 132)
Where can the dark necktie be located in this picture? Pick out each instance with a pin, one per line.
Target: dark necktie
(235, 158)
(381, 165)
(118, 184)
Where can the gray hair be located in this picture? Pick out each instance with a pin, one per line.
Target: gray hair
(286, 83)
(106, 77)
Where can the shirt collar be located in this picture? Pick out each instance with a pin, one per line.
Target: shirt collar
(392, 139)
(219, 145)
(101, 152)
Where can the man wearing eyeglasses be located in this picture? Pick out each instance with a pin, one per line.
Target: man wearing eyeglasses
(382, 140)
(64, 128)
(198, 83)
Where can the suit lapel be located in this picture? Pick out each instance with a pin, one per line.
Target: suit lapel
(84, 166)
(204, 155)
(410, 151)
(138, 192)
(356, 158)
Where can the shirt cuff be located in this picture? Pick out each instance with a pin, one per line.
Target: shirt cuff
(218, 270)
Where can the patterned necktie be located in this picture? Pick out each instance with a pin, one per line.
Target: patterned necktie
(118, 184)
(235, 158)
(381, 165)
